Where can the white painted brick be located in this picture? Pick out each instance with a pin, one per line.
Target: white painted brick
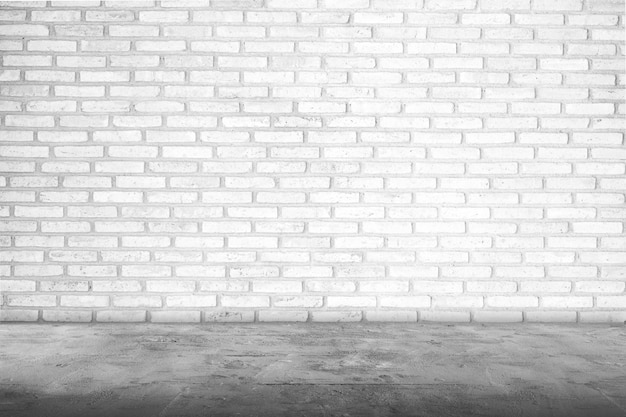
(245, 301)
(191, 301)
(283, 316)
(518, 301)
(122, 316)
(405, 301)
(437, 287)
(18, 315)
(67, 316)
(136, 301)
(31, 300)
(84, 301)
(217, 315)
(17, 285)
(557, 5)
(497, 316)
(351, 302)
(169, 316)
(600, 286)
(444, 316)
(277, 286)
(329, 286)
(391, 316)
(336, 316)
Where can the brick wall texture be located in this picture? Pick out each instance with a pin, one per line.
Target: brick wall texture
(312, 160)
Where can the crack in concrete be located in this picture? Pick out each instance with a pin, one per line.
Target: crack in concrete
(172, 401)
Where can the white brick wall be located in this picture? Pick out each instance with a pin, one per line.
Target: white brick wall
(313, 160)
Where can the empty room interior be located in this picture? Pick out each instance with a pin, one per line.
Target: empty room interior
(333, 208)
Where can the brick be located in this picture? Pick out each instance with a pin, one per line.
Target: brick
(123, 316)
(27, 60)
(283, 316)
(498, 316)
(56, 46)
(17, 285)
(512, 301)
(23, 30)
(31, 300)
(558, 5)
(18, 315)
(246, 301)
(444, 316)
(336, 316)
(175, 316)
(461, 301)
(84, 301)
(67, 316)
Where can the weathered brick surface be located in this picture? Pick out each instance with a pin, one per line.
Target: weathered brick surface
(312, 160)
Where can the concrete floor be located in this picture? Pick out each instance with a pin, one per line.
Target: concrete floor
(312, 370)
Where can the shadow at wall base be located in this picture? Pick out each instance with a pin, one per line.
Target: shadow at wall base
(320, 316)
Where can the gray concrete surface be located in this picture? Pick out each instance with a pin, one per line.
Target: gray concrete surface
(312, 370)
